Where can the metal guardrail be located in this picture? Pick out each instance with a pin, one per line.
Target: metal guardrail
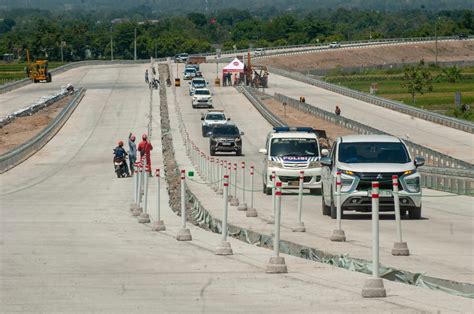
(22, 152)
(444, 177)
(379, 101)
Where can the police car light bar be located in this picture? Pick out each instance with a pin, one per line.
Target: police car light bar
(293, 129)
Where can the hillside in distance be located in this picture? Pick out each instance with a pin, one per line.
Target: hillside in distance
(185, 6)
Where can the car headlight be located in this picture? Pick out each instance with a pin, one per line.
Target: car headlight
(277, 164)
(347, 180)
(412, 184)
(194, 98)
(314, 164)
(209, 99)
(237, 139)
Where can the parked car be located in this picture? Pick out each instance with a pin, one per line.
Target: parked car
(197, 82)
(334, 44)
(210, 119)
(362, 159)
(225, 138)
(202, 97)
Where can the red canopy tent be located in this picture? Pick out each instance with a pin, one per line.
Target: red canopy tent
(235, 67)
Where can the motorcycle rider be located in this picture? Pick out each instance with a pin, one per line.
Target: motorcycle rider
(145, 149)
(119, 155)
(132, 152)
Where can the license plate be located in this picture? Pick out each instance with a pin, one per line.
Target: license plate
(226, 144)
(382, 193)
(293, 183)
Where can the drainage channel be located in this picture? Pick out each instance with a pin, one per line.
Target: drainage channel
(201, 217)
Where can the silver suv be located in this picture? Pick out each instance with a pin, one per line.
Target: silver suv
(362, 159)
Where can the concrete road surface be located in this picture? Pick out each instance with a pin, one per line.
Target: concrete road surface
(69, 244)
(441, 243)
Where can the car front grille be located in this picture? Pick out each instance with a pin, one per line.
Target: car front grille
(384, 179)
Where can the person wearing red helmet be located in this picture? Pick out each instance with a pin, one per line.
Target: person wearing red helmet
(145, 149)
(121, 154)
(132, 152)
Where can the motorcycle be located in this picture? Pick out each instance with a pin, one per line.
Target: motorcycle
(120, 168)
(154, 84)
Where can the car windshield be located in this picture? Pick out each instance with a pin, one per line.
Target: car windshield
(294, 147)
(215, 116)
(228, 130)
(200, 83)
(202, 92)
(373, 153)
(190, 71)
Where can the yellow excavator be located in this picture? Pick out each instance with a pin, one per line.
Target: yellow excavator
(37, 71)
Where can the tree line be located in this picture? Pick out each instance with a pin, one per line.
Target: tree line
(81, 35)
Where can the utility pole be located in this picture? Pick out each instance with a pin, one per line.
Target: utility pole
(436, 42)
(154, 43)
(111, 49)
(135, 46)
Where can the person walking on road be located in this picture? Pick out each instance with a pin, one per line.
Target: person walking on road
(145, 149)
(337, 111)
(132, 152)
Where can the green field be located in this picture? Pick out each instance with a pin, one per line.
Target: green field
(16, 71)
(440, 100)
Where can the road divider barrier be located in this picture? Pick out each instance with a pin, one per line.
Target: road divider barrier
(158, 225)
(399, 247)
(17, 155)
(338, 235)
(373, 286)
(300, 224)
(224, 247)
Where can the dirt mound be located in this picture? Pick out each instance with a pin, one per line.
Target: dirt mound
(461, 50)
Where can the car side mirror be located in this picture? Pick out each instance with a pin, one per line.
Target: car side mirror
(189, 83)
(262, 151)
(326, 161)
(324, 152)
(419, 161)
(242, 133)
(228, 119)
(202, 118)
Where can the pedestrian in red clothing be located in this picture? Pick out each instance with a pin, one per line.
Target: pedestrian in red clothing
(145, 149)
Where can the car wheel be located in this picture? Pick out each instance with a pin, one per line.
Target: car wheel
(239, 152)
(325, 208)
(266, 191)
(212, 152)
(414, 213)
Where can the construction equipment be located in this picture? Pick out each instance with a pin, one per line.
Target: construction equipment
(256, 75)
(37, 71)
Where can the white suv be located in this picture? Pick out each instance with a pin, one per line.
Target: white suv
(362, 159)
(212, 118)
(197, 82)
(202, 97)
(288, 151)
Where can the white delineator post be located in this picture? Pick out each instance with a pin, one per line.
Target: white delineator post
(144, 217)
(243, 205)
(300, 225)
(138, 210)
(184, 234)
(338, 235)
(373, 286)
(272, 218)
(224, 247)
(235, 201)
(135, 189)
(229, 172)
(276, 264)
(158, 225)
(221, 171)
(251, 211)
(400, 248)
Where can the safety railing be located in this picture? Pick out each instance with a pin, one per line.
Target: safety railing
(379, 101)
(22, 152)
